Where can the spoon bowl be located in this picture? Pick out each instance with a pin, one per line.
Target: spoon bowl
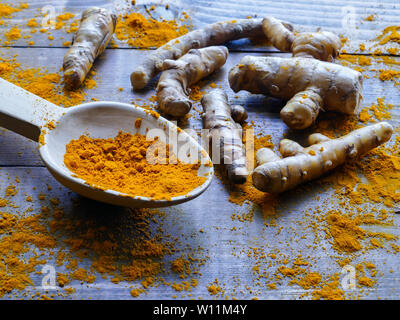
(54, 127)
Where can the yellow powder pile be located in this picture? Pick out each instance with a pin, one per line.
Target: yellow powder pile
(381, 111)
(388, 75)
(389, 34)
(181, 266)
(135, 293)
(32, 23)
(364, 61)
(6, 10)
(213, 289)
(366, 282)
(310, 280)
(142, 32)
(345, 232)
(354, 61)
(13, 34)
(125, 164)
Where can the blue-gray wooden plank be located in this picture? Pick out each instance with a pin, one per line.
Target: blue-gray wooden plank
(225, 249)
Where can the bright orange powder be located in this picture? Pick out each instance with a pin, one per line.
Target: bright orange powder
(143, 32)
(132, 165)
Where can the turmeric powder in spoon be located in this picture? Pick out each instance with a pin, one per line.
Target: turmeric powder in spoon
(130, 164)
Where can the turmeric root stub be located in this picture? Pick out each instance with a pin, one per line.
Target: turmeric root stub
(132, 165)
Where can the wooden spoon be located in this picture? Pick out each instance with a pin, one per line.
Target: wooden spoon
(28, 115)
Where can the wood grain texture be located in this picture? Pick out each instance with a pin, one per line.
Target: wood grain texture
(346, 18)
(228, 251)
(226, 242)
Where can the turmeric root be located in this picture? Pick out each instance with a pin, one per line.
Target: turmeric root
(211, 35)
(172, 88)
(321, 45)
(95, 31)
(279, 36)
(310, 85)
(238, 113)
(218, 118)
(300, 164)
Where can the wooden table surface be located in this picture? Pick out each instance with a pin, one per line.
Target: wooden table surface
(225, 242)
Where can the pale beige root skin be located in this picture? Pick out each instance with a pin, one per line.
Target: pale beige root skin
(95, 31)
(238, 113)
(317, 138)
(302, 110)
(321, 45)
(289, 148)
(211, 35)
(312, 162)
(265, 155)
(227, 134)
(320, 85)
(278, 34)
(179, 75)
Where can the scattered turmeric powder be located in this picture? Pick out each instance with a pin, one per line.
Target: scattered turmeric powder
(40, 82)
(181, 266)
(346, 232)
(142, 32)
(6, 10)
(389, 34)
(329, 291)
(371, 17)
(17, 234)
(134, 256)
(388, 74)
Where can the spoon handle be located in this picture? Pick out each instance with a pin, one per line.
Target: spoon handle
(23, 112)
